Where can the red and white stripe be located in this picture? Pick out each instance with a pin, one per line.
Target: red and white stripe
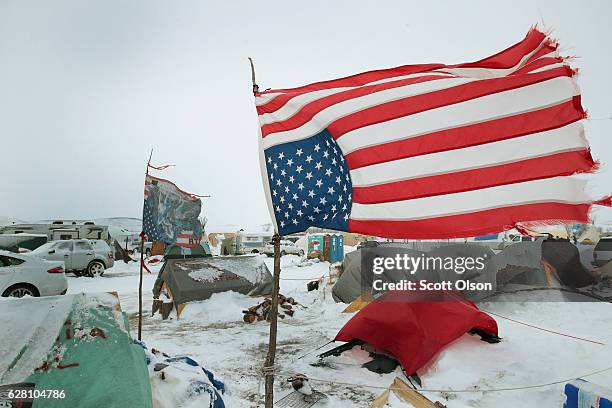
(186, 239)
(438, 151)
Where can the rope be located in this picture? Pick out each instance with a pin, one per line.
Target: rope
(284, 374)
(543, 329)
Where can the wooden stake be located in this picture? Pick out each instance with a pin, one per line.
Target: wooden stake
(142, 235)
(269, 364)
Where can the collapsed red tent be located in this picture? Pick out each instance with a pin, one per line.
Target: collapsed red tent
(412, 330)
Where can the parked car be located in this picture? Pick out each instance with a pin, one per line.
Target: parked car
(286, 247)
(80, 256)
(602, 254)
(22, 275)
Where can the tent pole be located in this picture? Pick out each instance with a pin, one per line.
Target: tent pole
(269, 365)
(142, 235)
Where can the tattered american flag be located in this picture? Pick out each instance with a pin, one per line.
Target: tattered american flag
(430, 151)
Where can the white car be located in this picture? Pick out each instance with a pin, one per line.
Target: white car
(286, 247)
(22, 275)
(80, 256)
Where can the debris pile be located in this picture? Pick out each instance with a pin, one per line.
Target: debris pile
(261, 311)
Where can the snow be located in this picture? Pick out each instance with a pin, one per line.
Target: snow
(45, 318)
(213, 333)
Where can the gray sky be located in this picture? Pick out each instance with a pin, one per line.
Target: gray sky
(88, 87)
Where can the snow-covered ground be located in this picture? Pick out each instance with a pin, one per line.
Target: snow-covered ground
(213, 333)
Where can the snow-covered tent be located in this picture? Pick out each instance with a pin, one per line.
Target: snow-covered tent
(79, 344)
(190, 279)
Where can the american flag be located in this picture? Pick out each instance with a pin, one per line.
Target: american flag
(430, 151)
(170, 214)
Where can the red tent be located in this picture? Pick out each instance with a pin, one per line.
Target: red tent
(414, 327)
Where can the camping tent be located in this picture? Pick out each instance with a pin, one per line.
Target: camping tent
(522, 263)
(414, 327)
(76, 343)
(357, 276)
(189, 279)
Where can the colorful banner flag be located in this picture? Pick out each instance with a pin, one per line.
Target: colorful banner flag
(170, 214)
(430, 151)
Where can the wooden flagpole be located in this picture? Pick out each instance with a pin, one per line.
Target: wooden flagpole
(142, 235)
(268, 368)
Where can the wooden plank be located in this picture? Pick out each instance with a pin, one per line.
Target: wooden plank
(407, 394)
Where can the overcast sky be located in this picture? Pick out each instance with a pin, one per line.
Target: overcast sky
(87, 88)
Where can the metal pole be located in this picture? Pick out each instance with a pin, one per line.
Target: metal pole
(142, 235)
(269, 365)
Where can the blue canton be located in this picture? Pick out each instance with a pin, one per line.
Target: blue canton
(309, 184)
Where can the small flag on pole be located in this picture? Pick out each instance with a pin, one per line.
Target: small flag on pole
(170, 214)
(430, 151)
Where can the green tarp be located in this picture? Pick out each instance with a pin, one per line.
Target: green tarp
(76, 343)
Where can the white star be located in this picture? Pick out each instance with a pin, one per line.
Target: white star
(344, 188)
(282, 223)
(340, 199)
(309, 175)
(334, 207)
(295, 221)
(277, 208)
(345, 217)
(286, 214)
(295, 196)
(311, 218)
(328, 172)
(326, 154)
(281, 156)
(325, 217)
(290, 206)
(327, 142)
(287, 189)
(311, 193)
(290, 162)
(274, 193)
(304, 203)
(341, 169)
(299, 213)
(283, 172)
(319, 183)
(316, 209)
(275, 166)
(318, 165)
(308, 159)
(291, 179)
(334, 161)
(269, 159)
(299, 169)
(322, 200)
(344, 207)
(331, 190)
(338, 179)
(282, 199)
(279, 183)
(301, 186)
(317, 148)
(298, 152)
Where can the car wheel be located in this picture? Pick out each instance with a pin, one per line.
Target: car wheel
(254, 251)
(148, 253)
(301, 253)
(21, 290)
(283, 253)
(95, 269)
(78, 273)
